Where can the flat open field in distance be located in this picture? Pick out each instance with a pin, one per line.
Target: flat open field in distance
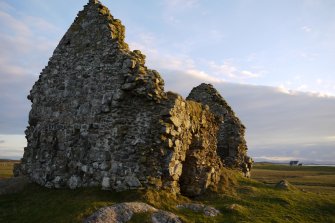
(312, 199)
(318, 179)
(6, 168)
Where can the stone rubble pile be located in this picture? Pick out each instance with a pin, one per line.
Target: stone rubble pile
(100, 117)
(123, 212)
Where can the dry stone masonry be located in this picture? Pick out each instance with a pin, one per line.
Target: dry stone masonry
(231, 147)
(100, 117)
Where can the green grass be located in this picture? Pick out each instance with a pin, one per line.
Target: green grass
(250, 201)
(282, 167)
(37, 204)
(319, 179)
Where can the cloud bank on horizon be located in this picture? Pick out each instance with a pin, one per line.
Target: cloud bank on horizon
(276, 73)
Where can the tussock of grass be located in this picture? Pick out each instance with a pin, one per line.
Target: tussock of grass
(228, 181)
(163, 199)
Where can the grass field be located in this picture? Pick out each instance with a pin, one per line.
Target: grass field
(319, 179)
(250, 201)
(6, 169)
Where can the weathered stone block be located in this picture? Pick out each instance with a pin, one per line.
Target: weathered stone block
(74, 182)
(106, 183)
(132, 182)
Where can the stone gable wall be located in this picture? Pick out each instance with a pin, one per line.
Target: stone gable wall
(93, 107)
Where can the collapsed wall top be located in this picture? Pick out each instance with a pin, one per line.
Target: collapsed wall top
(232, 147)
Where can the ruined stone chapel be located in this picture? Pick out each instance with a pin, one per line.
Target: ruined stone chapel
(100, 117)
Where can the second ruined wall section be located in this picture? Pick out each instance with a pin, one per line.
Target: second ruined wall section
(191, 163)
(231, 144)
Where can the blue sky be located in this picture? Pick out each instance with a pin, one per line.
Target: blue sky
(272, 60)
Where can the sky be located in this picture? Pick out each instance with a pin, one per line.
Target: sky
(272, 60)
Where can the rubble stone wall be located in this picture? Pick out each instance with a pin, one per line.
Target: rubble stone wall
(232, 147)
(93, 108)
(191, 163)
(100, 117)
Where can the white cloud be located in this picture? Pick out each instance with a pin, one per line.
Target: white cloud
(160, 61)
(330, 138)
(296, 88)
(203, 76)
(309, 56)
(227, 69)
(319, 94)
(181, 3)
(283, 89)
(249, 73)
(18, 41)
(26, 43)
(306, 29)
(302, 87)
(207, 70)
